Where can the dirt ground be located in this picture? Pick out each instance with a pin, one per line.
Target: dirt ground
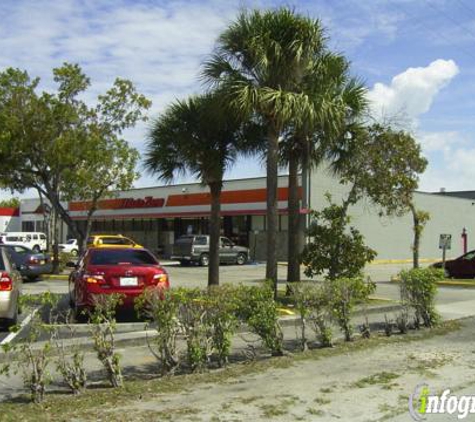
(369, 384)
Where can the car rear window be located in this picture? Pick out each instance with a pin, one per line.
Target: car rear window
(116, 241)
(122, 257)
(20, 249)
(184, 240)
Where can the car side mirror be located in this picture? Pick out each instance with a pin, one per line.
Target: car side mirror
(71, 264)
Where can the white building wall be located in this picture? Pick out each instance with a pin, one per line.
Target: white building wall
(392, 237)
(10, 224)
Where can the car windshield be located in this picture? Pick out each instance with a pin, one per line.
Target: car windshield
(122, 257)
(70, 242)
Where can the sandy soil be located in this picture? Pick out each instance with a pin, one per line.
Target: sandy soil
(362, 385)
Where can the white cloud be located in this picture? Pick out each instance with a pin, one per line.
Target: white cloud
(440, 141)
(412, 92)
(451, 157)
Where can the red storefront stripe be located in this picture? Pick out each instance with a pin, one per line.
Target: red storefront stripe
(9, 212)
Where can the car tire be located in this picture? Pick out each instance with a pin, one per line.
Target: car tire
(79, 314)
(36, 249)
(184, 263)
(74, 252)
(204, 260)
(241, 258)
(32, 278)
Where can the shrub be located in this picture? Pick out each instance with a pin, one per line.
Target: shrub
(312, 304)
(161, 307)
(402, 321)
(336, 249)
(344, 294)
(388, 326)
(303, 295)
(64, 258)
(193, 313)
(259, 310)
(418, 289)
(32, 361)
(70, 362)
(102, 324)
(222, 320)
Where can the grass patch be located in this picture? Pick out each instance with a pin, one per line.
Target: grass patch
(315, 412)
(322, 400)
(384, 378)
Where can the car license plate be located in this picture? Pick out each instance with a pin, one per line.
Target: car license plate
(128, 281)
(42, 262)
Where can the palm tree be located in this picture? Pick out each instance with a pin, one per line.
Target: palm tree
(259, 62)
(197, 137)
(337, 99)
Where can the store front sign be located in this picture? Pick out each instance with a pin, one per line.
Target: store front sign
(120, 204)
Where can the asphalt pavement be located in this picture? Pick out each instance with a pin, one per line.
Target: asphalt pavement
(452, 302)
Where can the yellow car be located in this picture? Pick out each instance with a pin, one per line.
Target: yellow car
(111, 241)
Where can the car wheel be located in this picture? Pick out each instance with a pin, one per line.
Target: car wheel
(36, 249)
(204, 260)
(241, 258)
(74, 252)
(32, 278)
(80, 315)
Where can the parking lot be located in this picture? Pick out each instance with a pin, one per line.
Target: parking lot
(194, 276)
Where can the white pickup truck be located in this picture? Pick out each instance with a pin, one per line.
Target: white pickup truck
(32, 240)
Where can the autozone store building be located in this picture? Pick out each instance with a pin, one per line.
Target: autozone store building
(156, 216)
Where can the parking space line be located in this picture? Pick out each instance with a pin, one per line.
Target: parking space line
(23, 324)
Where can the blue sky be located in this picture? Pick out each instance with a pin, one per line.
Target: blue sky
(416, 57)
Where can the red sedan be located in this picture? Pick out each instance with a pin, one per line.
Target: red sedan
(126, 271)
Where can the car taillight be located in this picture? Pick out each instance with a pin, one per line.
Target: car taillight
(161, 280)
(6, 283)
(94, 278)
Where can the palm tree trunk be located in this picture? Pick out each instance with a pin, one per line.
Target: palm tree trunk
(293, 269)
(214, 233)
(272, 210)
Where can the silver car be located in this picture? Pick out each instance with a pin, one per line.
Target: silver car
(10, 290)
(195, 248)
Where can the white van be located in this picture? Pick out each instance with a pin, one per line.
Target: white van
(32, 240)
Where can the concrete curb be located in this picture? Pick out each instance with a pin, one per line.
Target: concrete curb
(55, 276)
(446, 283)
(386, 261)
